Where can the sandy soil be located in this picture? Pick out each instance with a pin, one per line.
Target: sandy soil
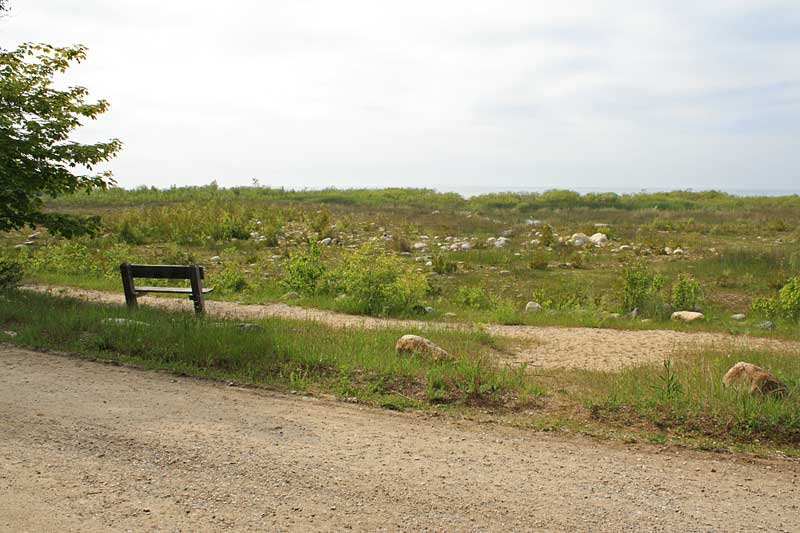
(88, 447)
(539, 347)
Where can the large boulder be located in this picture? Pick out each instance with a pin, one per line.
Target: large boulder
(414, 344)
(759, 380)
(687, 316)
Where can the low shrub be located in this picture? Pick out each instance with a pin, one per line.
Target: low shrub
(686, 293)
(10, 273)
(473, 297)
(375, 283)
(641, 289)
(442, 265)
(305, 271)
(785, 305)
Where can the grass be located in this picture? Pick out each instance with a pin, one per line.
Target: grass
(682, 401)
(277, 353)
(685, 396)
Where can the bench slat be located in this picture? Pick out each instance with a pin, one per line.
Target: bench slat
(163, 271)
(171, 290)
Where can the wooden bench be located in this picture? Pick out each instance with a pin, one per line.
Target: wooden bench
(194, 273)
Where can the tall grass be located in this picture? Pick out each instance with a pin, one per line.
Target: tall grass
(686, 396)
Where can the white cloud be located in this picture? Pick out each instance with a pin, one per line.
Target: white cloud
(446, 94)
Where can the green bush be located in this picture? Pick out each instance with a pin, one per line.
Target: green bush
(378, 284)
(305, 271)
(785, 305)
(641, 288)
(539, 260)
(474, 297)
(228, 280)
(685, 293)
(10, 273)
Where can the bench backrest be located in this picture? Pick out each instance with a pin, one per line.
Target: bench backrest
(163, 271)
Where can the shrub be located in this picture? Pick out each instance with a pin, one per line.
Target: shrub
(10, 273)
(685, 293)
(305, 271)
(785, 305)
(641, 288)
(539, 260)
(378, 284)
(789, 300)
(229, 280)
(474, 297)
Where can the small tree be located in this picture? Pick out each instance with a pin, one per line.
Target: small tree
(37, 157)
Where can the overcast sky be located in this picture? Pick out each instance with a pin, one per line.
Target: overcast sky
(444, 94)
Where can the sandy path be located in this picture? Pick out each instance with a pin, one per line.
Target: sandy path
(552, 347)
(91, 447)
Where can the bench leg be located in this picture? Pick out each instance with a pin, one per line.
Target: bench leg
(197, 290)
(128, 286)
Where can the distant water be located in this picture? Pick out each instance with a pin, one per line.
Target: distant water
(468, 191)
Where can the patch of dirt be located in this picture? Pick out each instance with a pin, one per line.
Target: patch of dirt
(91, 447)
(536, 346)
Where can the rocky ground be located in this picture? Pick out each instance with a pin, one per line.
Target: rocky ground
(537, 346)
(87, 447)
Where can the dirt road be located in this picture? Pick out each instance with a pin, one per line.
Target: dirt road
(91, 447)
(552, 347)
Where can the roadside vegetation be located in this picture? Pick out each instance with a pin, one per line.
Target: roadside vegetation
(439, 256)
(682, 400)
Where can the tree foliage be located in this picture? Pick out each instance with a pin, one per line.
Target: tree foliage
(37, 156)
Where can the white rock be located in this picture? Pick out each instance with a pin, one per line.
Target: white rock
(326, 241)
(533, 307)
(625, 247)
(687, 316)
(501, 242)
(419, 245)
(414, 344)
(124, 322)
(579, 239)
(599, 239)
(217, 258)
(466, 246)
(738, 316)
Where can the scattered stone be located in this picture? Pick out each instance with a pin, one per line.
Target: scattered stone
(738, 316)
(429, 309)
(419, 245)
(414, 344)
(466, 246)
(291, 295)
(449, 315)
(760, 380)
(326, 241)
(600, 225)
(687, 316)
(678, 251)
(767, 324)
(600, 239)
(533, 307)
(505, 272)
(124, 322)
(10, 333)
(248, 325)
(625, 248)
(19, 246)
(614, 315)
(634, 313)
(216, 259)
(33, 235)
(579, 239)
(500, 242)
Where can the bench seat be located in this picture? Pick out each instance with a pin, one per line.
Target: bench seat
(170, 290)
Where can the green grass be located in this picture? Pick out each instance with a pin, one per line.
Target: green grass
(282, 354)
(685, 396)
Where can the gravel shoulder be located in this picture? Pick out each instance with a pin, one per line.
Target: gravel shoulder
(536, 346)
(86, 446)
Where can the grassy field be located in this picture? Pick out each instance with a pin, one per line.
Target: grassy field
(443, 257)
(683, 400)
